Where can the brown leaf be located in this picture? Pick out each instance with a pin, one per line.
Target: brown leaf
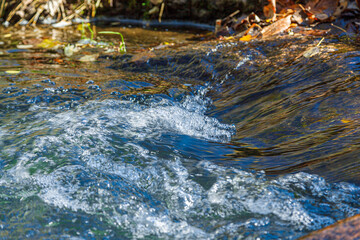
(32, 41)
(284, 4)
(341, 6)
(325, 10)
(321, 6)
(156, 2)
(88, 58)
(298, 17)
(311, 32)
(268, 11)
(310, 17)
(277, 27)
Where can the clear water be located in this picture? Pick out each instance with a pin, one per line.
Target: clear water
(115, 159)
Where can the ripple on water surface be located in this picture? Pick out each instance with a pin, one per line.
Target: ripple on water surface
(104, 160)
(99, 166)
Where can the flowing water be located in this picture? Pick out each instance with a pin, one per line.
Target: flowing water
(203, 141)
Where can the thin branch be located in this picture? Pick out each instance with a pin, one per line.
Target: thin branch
(2, 7)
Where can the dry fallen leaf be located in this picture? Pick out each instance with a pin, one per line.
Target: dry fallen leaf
(341, 6)
(345, 121)
(325, 10)
(88, 58)
(12, 71)
(49, 44)
(285, 4)
(246, 38)
(277, 27)
(310, 52)
(268, 11)
(32, 41)
(24, 46)
(312, 32)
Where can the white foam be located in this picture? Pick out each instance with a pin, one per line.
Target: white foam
(157, 195)
(95, 118)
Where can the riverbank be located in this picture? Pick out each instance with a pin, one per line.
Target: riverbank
(17, 11)
(207, 11)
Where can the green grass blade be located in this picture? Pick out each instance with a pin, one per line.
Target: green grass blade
(122, 47)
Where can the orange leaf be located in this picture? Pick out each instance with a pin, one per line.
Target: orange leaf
(58, 60)
(345, 121)
(246, 38)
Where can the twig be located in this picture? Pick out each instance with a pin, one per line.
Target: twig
(62, 9)
(161, 10)
(346, 33)
(37, 15)
(339, 28)
(93, 9)
(12, 13)
(320, 42)
(98, 3)
(59, 15)
(77, 11)
(301, 6)
(2, 7)
(230, 16)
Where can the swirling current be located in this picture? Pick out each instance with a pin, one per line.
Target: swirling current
(232, 147)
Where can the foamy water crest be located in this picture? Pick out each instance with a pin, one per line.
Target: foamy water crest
(101, 160)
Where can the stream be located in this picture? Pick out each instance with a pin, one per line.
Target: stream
(193, 140)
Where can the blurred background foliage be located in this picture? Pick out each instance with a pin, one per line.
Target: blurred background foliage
(50, 11)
